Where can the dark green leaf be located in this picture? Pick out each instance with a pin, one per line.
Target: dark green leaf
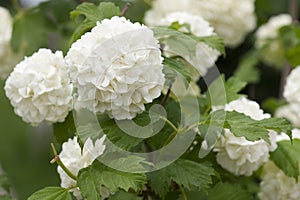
(292, 55)
(121, 195)
(50, 193)
(229, 191)
(287, 157)
(93, 177)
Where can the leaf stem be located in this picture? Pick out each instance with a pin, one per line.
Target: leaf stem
(182, 192)
(60, 163)
(170, 124)
(164, 100)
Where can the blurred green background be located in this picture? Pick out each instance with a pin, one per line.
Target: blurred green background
(25, 151)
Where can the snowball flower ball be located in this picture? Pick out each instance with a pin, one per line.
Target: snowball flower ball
(231, 19)
(116, 68)
(238, 155)
(5, 27)
(204, 56)
(267, 34)
(75, 159)
(39, 88)
(275, 185)
(291, 112)
(292, 87)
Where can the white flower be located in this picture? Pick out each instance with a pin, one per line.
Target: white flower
(292, 87)
(237, 154)
(5, 27)
(291, 112)
(275, 185)
(267, 33)
(232, 19)
(205, 56)
(117, 68)
(75, 159)
(39, 88)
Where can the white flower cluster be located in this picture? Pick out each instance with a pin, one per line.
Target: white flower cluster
(39, 88)
(8, 59)
(275, 185)
(238, 155)
(117, 68)
(75, 159)
(205, 56)
(267, 34)
(232, 19)
(291, 93)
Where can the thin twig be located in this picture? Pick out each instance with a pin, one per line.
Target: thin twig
(164, 100)
(125, 8)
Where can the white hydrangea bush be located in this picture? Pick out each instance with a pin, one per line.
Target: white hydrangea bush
(267, 34)
(238, 155)
(205, 57)
(75, 159)
(117, 68)
(39, 88)
(231, 19)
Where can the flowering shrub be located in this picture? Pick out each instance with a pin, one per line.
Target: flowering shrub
(141, 111)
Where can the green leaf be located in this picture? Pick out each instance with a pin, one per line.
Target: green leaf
(65, 130)
(221, 92)
(242, 125)
(176, 65)
(92, 14)
(271, 104)
(215, 42)
(292, 55)
(247, 70)
(287, 157)
(187, 173)
(229, 191)
(50, 193)
(90, 180)
(121, 195)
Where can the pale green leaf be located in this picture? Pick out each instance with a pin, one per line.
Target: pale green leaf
(51, 193)
(215, 42)
(287, 157)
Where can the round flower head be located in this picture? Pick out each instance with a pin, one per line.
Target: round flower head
(205, 56)
(237, 154)
(5, 27)
(231, 19)
(292, 87)
(39, 88)
(75, 159)
(273, 54)
(116, 68)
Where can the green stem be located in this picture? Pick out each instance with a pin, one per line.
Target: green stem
(170, 124)
(61, 164)
(72, 187)
(182, 192)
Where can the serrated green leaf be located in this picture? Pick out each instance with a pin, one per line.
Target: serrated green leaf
(65, 130)
(233, 86)
(91, 178)
(287, 157)
(92, 14)
(229, 191)
(187, 173)
(50, 193)
(124, 196)
(247, 70)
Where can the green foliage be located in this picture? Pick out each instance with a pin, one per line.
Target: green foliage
(229, 191)
(186, 173)
(242, 125)
(65, 130)
(172, 66)
(272, 104)
(90, 180)
(50, 193)
(92, 14)
(121, 195)
(214, 42)
(247, 69)
(287, 157)
(221, 92)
